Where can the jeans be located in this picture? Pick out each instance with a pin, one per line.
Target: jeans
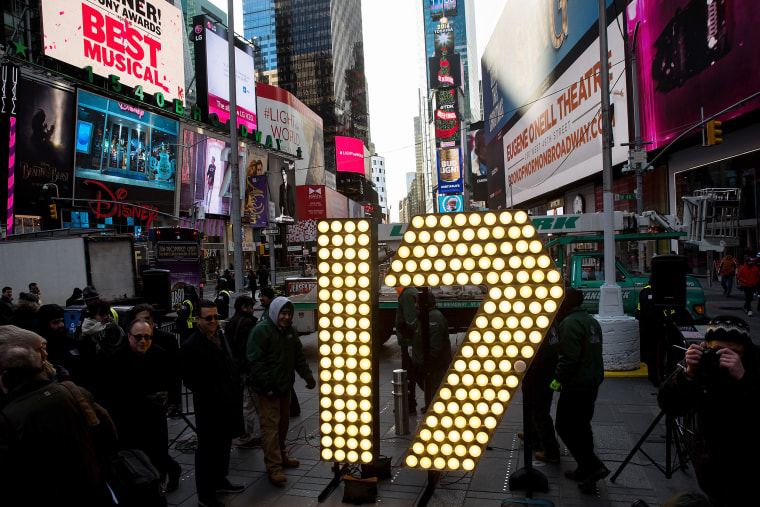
(727, 282)
(275, 421)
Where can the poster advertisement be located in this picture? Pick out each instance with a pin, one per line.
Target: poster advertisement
(349, 155)
(141, 42)
(282, 189)
(44, 145)
(255, 204)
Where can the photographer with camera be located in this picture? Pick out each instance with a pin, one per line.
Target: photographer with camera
(720, 380)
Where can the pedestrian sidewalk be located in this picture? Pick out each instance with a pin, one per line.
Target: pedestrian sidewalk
(625, 409)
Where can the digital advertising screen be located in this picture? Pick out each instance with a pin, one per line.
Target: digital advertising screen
(255, 184)
(123, 144)
(450, 203)
(282, 189)
(448, 132)
(282, 116)
(450, 179)
(688, 52)
(212, 62)
(441, 8)
(349, 155)
(444, 72)
(139, 41)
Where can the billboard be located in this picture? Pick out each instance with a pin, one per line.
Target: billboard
(547, 40)
(444, 72)
(212, 65)
(478, 165)
(349, 155)
(450, 171)
(312, 202)
(282, 189)
(447, 122)
(44, 147)
(282, 116)
(128, 205)
(443, 39)
(255, 185)
(450, 203)
(441, 8)
(557, 140)
(123, 144)
(693, 54)
(497, 192)
(141, 41)
(206, 173)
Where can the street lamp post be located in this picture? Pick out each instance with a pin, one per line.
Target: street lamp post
(237, 240)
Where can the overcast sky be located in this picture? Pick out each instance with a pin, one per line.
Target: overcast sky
(391, 52)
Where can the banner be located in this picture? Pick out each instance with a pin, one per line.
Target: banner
(140, 41)
(450, 203)
(255, 208)
(312, 202)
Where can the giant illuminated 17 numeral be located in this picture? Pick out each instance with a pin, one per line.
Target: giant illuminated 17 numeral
(500, 250)
(496, 249)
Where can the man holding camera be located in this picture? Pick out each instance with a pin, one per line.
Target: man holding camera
(720, 380)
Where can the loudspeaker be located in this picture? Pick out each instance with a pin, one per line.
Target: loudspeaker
(669, 281)
(157, 289)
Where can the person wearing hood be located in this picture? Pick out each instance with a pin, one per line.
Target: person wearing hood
(275, 352)
(51, 326)
(579, 373)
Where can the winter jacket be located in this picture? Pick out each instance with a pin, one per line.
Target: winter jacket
(580, 363)
(440, 346)
(237, 330)
(749, 275)
(726, 440)
(274, 354)
(406, 315)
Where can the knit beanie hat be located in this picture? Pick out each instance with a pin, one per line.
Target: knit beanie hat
(46, 313)
(728, 328)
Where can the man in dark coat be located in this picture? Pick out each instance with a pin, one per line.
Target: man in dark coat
(406, 319)
(135, 389)
(720, 380)
(579, 373)
(237, 330)
(275, 353)
(209, 371)
(434, 368)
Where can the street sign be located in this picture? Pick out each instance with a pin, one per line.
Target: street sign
(625, 197)
(271, 231)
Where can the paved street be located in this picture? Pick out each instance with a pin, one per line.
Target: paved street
(625, 408)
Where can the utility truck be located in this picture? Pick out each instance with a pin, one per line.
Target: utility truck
(63, 259)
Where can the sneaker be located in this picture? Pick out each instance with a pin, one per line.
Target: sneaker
(254, 442)
(749, 313)
(289, 462)
(547, 457)
(209, 502)
(228, 487)
(277, 478)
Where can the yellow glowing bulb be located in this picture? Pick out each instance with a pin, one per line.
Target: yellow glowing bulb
(409, 237)
(521, 246)
(462, 278)
(447, 279)
(446, 221)
(403, 252)
(553, 276)
(323, 240)
(514, 262)
(556, 292)
(455, 264)
(468, 234)
(461, 249)
(513, 232)
(469, 263)
(323, 226)
(439, 236)
(424, 237)
(542, 292)
(432, 251)
(453, 235)
(447, 250)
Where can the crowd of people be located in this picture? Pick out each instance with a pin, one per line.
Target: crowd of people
(111, 384)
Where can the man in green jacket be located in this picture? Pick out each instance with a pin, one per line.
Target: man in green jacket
(435, 368)
(406, 318)
(274, 353)
(580, 371)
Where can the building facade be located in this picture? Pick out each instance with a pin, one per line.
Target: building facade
(378, 178)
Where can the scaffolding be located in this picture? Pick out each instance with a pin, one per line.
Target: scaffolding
(711, 218)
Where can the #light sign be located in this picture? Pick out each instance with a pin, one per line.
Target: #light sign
(348, 387)
(525, 289)
(139, 41)
(349, 154)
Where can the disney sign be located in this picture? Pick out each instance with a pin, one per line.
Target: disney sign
(105, 209)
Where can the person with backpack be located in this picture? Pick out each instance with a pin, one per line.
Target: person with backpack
(726, 271)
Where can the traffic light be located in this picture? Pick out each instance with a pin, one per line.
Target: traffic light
(53, 211)
(714, 132)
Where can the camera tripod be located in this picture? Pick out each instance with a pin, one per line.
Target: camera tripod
(676, 436)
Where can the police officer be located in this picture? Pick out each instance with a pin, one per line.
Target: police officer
(223, 299)
(187, 315)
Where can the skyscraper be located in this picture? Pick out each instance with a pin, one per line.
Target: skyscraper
(259, 26)
(319, 59)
